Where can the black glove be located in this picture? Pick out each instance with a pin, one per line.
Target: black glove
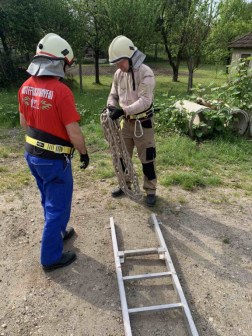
(85, 159)
(104, 109)
(115, 113)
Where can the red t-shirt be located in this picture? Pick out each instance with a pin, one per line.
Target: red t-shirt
(47, 105)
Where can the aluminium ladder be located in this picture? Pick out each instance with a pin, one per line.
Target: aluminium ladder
(163, 253)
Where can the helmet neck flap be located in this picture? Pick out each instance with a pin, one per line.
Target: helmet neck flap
(137, 59)
(41, 66)
(134, 63)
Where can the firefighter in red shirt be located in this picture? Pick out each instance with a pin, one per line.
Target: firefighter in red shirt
(48, 114)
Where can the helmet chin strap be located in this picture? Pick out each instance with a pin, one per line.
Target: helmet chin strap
(132, 73)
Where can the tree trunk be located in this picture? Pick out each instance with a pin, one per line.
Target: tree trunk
(175, 73)
(97, 77)
(3, 68)
(80, 72)
(6, 63)
(174, 66)
(6, 49)
(228, 63)
(190, 78)
(156, 52)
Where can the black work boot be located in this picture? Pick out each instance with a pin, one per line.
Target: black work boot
(66, 259)
(151, 200)
(69, 232)
(117, 192)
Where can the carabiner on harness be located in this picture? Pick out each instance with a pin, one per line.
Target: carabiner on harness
(67, 158)
(141, 128)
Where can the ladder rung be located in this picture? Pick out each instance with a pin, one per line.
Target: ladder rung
(155, 308)
(146, 251)
(147, 276)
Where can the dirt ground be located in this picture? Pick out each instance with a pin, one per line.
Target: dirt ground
(83, 298)
(109, 70)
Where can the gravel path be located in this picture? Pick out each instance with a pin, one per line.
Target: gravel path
(83, 299)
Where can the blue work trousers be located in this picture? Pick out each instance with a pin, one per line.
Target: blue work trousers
(55, 182)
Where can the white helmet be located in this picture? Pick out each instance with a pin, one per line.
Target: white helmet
(120, 48)
(54, 47)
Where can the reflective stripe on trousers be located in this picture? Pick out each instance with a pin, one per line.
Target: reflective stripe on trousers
(55, 182)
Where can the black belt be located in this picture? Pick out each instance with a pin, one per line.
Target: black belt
(142, 115)
(48, 146)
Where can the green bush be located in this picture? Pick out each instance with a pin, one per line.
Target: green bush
(169, 117)
(236, 93)
(69, 81)
(11, 73)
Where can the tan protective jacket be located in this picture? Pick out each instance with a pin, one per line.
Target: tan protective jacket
(133, 102)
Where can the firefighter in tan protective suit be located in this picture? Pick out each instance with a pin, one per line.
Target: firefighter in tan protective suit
(133, 88)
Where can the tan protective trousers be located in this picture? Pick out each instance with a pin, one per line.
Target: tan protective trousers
(146, 148)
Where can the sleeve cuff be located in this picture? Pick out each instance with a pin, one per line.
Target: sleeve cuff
(127, 110)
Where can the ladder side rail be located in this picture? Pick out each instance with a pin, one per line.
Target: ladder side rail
(125, 313)
(188, 317)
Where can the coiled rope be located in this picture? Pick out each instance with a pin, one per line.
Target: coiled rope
(121, 160)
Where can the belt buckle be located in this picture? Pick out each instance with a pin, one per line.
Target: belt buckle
(59, 149)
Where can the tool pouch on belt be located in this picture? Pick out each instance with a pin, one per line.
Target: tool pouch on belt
(42, 139)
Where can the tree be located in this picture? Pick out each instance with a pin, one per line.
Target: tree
(197, 30)
(16, 21)
(18, 25)
(57, 16)
(172, 24)
(134, 18)
(23, 23)
(92, 21)
(234, 20)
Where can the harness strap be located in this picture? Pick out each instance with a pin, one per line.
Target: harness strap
(140, 115)
(133, 121)
(50, 147)
(132, 74)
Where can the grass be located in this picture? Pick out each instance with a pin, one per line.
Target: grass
(224, 150)
(13, 176)
(93, 99)
(181, 200)
(3, 169)
(14, 180)
(217, 162)
(164, 83)
(224, 161)
(225, 240)
(189, 181)
(9, 115)
(181, 161)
